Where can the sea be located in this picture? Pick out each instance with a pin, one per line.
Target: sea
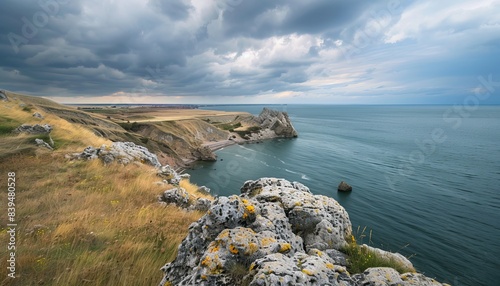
(425, 179)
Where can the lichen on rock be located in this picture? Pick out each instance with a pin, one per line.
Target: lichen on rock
(275, 233)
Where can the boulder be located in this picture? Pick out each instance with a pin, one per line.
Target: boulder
(169, 174)
(202, 205)
(271, 216)
(185, 176)
(38, 115)
(344, 187)
(34, 129)
(3, 96)
(204, 190)
(275, 233)
(278, 122)
(41, 143)
(204, 153)
(396, 257)
(121, 152)
(176, 196)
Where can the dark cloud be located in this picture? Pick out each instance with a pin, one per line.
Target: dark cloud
(390, 50)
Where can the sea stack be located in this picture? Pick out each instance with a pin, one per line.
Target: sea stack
(344, 187)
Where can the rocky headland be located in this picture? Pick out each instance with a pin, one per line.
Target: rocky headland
(278, 233)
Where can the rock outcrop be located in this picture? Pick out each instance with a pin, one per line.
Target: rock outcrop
(275, 233)
(3, 96)
(278, 122)
(38, 115)
(344, 187)
(180, 197)
(170, 175)
(34, 129)
(204, 153)
(41, 143)
(121, 152)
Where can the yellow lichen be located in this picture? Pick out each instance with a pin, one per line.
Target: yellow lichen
(206, 261)
(245, 215)
(203, 277)
(298, 203)
(266, 241)
(330, 266)
(250, 209)
(245, 201)
(233, 249)
(285, 247)
(214, 248)
(388, 277)
(252, 248)
(252, 266)
(224, 234)
(308, 272)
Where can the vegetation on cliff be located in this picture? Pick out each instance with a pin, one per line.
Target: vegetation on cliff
(83, 222)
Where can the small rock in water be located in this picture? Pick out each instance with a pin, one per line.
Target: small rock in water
(344, 187)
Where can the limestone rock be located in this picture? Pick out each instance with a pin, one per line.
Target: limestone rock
(300, 269)
(202, 205)
(169, 174)
(277, 121)
(381, 276)
(3, 96)
(121, 152)
(176, 196)
(38, 115)
(41, 143)
(34, 129)
(396, 257)
(275, 233)
(204, 190)
(185, 176)
(344, 187)
(272, 216)
(204, 153)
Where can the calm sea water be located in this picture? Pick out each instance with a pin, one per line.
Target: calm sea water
(425, 178)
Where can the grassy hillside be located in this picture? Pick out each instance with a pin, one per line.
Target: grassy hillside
(80, 222)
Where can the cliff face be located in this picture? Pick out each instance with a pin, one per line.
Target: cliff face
(275, 233)
(278, 122)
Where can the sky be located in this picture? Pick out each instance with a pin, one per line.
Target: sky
(252, 51)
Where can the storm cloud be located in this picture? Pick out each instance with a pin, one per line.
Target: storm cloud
(241, 51)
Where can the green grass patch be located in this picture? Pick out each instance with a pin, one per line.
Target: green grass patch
(360, 257)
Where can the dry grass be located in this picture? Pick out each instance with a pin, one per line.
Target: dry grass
(80, 222)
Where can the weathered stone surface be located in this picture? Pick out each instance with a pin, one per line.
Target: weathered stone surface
(204, 190)
(202, 205)
(300, 269)
(121, 152)
(382, 276)
(204, 153)
(38, 115)
(275, 233)
(34, 129)
(269, 217)
(185, 176)
(176, 196)
(396, 257)
(344, 187)
(41, 143)
(3, 96)
(169, 174)
(276, 121)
